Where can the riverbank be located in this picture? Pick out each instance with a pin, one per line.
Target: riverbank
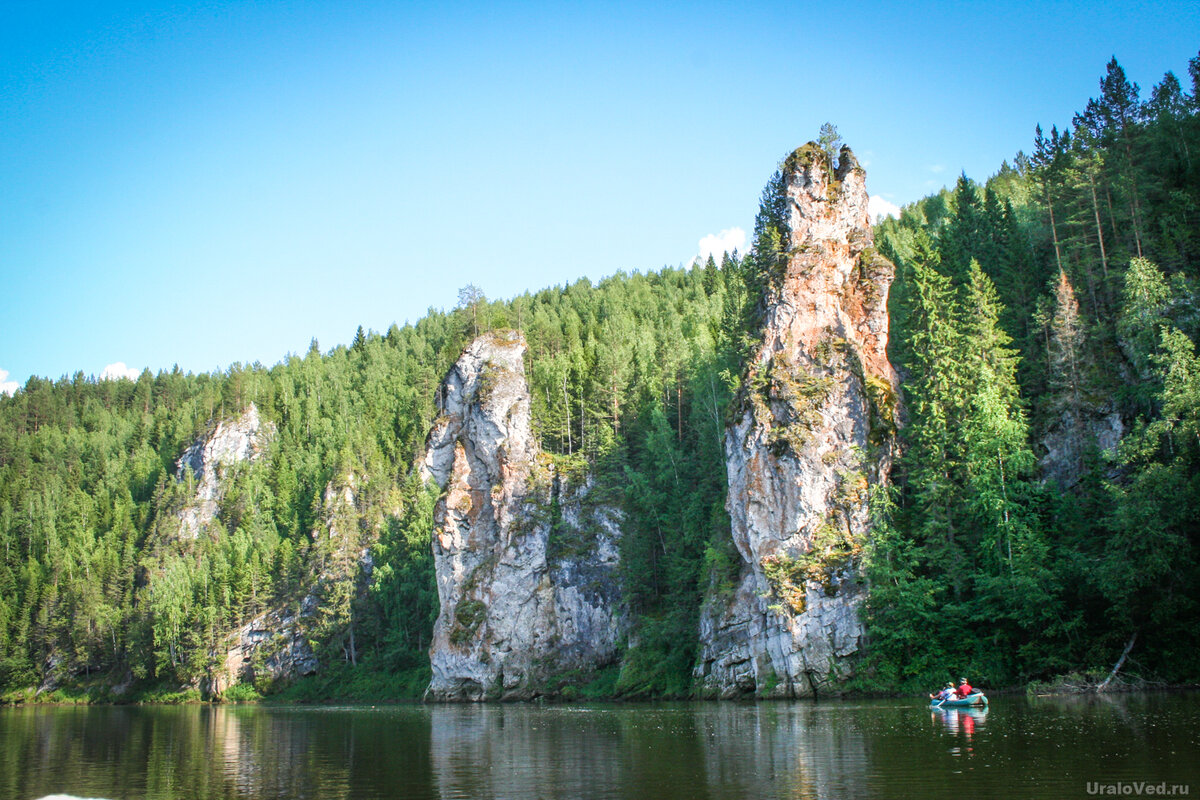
(384, 693)
(409, 687)
(338, 684)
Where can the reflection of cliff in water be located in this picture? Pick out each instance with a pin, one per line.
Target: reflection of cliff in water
(784, 749)
(677, 751)
(1038, 748)
(524, 751)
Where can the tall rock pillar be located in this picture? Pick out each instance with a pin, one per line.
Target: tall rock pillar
(813, 431)
(525, 564)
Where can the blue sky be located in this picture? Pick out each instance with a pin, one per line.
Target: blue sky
(206, 183)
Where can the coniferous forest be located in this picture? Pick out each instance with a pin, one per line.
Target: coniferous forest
(1043, 520)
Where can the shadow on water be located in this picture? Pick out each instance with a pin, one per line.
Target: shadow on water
(1040, 747)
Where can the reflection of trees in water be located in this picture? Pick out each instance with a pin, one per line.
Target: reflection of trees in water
(214, 753)
(702, 750)
(42, 750)
(783, 749)
(264, 753)
(219, 752)
(334, 753)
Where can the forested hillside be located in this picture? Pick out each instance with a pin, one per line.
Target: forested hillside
(1045, 323)
(632, 373)
(1046, 508)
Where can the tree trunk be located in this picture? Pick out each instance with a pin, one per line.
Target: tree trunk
(1054, 231)
(1099, 231)
(1120, 662)
(679, 406)
(1135, 205)
(567, 413)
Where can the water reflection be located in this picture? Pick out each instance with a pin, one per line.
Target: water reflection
(523, 751)
(794, 750)
(960, 719)
(960, 723)
(209, 753)
(1028, 748)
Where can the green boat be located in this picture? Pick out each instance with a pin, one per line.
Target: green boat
(974, 699)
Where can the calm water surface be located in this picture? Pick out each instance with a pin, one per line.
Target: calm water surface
(1035, 748)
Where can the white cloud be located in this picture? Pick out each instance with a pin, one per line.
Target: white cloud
(877, 207)
(717, 244)
(114, 372)
(937, 168)
(6, 386)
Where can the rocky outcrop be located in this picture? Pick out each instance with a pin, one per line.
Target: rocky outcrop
(271, 647)
(525, 562)
(277, 645)
(1068, 437)
(813, 433)
(209, 459)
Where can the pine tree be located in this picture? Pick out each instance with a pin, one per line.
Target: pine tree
(1047, 164)
(1150, 562)
(830, 141)
(471, 298)
(1120, 111)
(965, 236)
(1067, 349)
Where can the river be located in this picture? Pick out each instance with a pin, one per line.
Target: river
(1054, 747)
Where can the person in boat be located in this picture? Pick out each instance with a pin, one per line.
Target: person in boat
(963, 689)
(945, 694)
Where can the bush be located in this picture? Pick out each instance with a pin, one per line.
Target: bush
(241, 693)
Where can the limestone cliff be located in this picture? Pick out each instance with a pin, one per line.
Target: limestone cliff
(271, 647)
(210, 457)
(525, 563)
(812, 433)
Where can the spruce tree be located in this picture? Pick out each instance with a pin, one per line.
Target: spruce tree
(935, 400)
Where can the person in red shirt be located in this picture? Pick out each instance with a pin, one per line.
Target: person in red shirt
(964, 688)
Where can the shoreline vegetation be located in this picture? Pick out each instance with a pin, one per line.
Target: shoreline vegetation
(397, 690)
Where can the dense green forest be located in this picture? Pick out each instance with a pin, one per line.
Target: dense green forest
(1030, 314)
(627, 374)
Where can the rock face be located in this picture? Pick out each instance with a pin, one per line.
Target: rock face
(525, 562)
(1067, 438)
(814, 431)
(208, 459)
(271, 646)
(277, 645)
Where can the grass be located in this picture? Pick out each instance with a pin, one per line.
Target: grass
(95, 693)
(344, 683)
(338, 682)
(600, 684)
